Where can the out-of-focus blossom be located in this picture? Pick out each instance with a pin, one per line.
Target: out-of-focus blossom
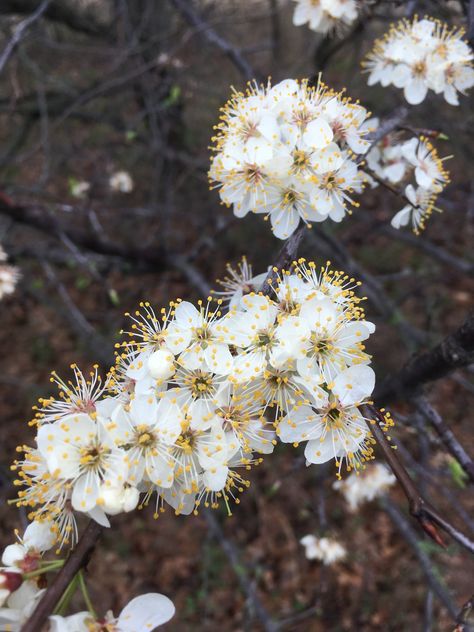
(326, 550)
(364, 486)
(121, 182)
(324, 16)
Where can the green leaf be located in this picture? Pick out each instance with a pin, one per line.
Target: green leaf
(458, 475)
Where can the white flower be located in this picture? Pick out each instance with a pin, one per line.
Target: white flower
(422, 55)
(80, 450)
(143, 614)
(429, 171)
(327, 550)
(324, 16)
(238, 282)
(38, 538)
(331, 341)
(146, 432)
(9, 277)
(121, 181)
(421, 204)
(336, 429)
(364, 486)
(10, 580)
(118, 499)
(79, 395)
(19, 606)
(200, 336)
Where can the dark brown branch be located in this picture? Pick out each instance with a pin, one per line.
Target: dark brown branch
(427, 516)
(447, 436)
(285, 257)
(193, 18)
(77, 560)
(454, 352)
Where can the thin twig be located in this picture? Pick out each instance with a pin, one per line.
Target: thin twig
(247, 586)
(425, 563)
(447, 436)
(19, 30)
(213, 38)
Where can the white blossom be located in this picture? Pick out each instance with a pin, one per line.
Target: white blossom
(323, 16)
(327, 550)
(422, 55)
(122, 182)
(285, 152)
(364, 486)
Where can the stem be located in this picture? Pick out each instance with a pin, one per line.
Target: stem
(85, 594)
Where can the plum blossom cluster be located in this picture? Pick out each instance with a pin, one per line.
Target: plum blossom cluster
(9, 275)
(361, 487)
(288, 152)
(326, 16)
(422, 55)
(416, 165)
(197, 396)
(23, 575)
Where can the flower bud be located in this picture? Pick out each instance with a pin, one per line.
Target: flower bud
(131, 496)
(161, 364)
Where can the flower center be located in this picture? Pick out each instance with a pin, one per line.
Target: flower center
(92, 456)
(201, 384)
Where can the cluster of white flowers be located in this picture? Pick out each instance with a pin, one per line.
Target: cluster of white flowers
(288, 152)
(324, 16)
(415, 164)
(9, 275)
(361, 487)
(197, 396)
(326, 550)
(422, 55)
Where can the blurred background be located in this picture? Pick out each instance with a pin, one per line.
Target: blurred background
(107, 109)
